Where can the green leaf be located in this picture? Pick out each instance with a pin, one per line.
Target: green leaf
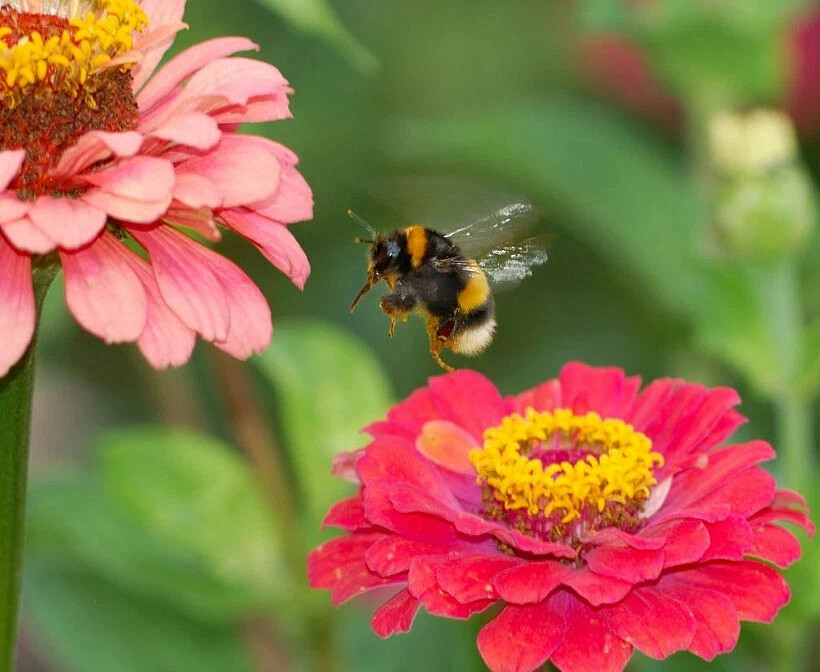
(319, 18)
(194, 493)
(614, 186)
(329, 386)
(89, 624)
(71, 519)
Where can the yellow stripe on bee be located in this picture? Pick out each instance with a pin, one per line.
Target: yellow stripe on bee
(416, 244)
(475, 292)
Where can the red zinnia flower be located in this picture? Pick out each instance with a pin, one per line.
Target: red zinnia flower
(101, 162)
(602, 518)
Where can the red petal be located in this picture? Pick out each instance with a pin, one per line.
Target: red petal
(545, 397)
(654, 623)
(605, 390)
(716, 623)
(414, 411)
(588, 644)
(394, 554)
(531, 582)
(339, 566)
(730, 539)
(396, 615)
(757, 591)
(686, 541)
(380, 511)
(468, 399)
(598, 589)
(628, 564)
(471, 579)
(521, 639)
(775, 544)
(347, 514)
(423, 585)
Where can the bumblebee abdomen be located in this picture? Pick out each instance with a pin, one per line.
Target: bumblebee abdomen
(476, 291)
(474, 331)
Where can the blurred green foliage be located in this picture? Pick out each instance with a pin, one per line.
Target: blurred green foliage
(155, 548)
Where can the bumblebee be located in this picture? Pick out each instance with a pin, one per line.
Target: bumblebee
(449, 278)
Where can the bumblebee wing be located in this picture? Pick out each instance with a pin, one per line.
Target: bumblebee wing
(496, 231)
(505, 266)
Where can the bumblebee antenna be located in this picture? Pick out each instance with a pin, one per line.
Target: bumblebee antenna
(363, 222)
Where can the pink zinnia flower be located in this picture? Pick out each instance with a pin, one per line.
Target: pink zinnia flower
(602, 518)
(102, 165)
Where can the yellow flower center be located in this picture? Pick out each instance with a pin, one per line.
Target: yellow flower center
(546, 470)
(64, 50)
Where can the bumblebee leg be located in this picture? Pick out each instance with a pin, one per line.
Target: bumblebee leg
(396, 306)
(438, 341)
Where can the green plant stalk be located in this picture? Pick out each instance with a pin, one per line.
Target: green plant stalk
(16, 391)
(778, 291)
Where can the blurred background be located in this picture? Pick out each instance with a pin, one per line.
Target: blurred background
(675, 147)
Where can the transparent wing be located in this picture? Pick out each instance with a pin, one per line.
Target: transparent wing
(505, 266)
(477, 215)
(496, 231)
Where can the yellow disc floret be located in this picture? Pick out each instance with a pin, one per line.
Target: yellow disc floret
(616, 468)
(76, 48)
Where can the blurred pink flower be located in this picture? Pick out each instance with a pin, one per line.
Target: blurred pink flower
(618, 68)
(602, 518)
(103, 161)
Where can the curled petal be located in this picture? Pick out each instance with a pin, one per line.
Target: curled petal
(10, 162)
(396, 615)
(70, 223)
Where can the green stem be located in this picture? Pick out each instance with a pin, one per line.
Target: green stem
(16, 391)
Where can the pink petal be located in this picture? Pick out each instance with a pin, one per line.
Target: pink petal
(268, 107)
(69, 222)
(23, 235)
(598, 589)
(165, 341)
(757, 591)
(292, 201)
(192, 129)
(521, 639)
(187, 62)
(470, 579)
(96, 146)
(531, 582)
(447, 445)
(160, 13)
(17, 314)
(251, 327)
(12, 207)
(136, 190)
(273, 240)
(103, 293)
(588, 643)
(605, 390)
(396, 615)
(468, 399)
(234, 80)
(10, 163)
(652, 622)
(186, 281)
(716, 623)
(244, 169)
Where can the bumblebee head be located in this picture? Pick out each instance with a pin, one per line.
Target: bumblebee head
(384, 256)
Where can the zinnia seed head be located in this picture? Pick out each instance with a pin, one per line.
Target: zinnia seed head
(64, 71)
(559, 475)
